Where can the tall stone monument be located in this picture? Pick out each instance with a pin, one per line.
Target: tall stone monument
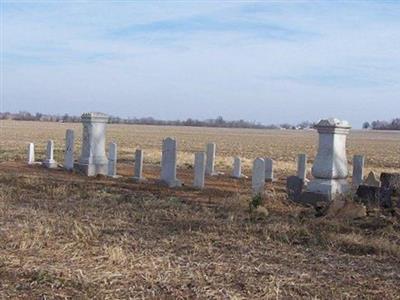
(330, 165)
(93, 158)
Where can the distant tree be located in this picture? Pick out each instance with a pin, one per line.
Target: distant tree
(366, 125)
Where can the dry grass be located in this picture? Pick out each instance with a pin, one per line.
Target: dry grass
(66, 236)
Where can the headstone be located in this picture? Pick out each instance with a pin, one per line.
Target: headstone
(269, 169)
(358, 170)
(371, 180)
(210, 163)
(49, 162)
(69, 150)
(237, 168)
(31, 153)
(330, 165)
(93, 158)
(168, 163)
(391, 180)
(302, 166)
(138, 174)
(368, 194)
(112, 160)
(385, 197)
(258, 176)
(199, 169)
(294, 187)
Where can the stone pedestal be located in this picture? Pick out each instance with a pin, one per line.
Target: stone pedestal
(93, 158)
(330, 166)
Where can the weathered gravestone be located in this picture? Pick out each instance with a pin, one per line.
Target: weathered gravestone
(138, 172)
(168, 163)
(330, 165)
(392, 181)
(199, 169)
(368, 195)
(294, 187)
(69, 150)
(210, 164)
(269, 169)
(93, 159)
(49, 162)
(112, 160)
(302, 166)
(258, 177)
(31, 153)
(371, 180)
(237, 168)
(358, 170)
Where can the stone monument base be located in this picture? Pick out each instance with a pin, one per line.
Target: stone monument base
(93, 169)
(50, 163)
(171, 184)
(330, 188)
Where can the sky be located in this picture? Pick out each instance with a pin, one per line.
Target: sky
(265, 61)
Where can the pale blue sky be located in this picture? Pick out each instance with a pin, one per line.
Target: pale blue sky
(266, 61)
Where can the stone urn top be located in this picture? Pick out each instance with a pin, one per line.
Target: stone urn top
(94, 117)
(333, 125)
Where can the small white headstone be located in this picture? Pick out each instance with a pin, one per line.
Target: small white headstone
(358, 170)
(237, 168)
(210, 164)
(49, 161)
(258, 177)
(269, 169)
(31, 153)
(138, 176)
(199, 169)
(69, 150)
(112, 160)
(168, 163)
(302, 166)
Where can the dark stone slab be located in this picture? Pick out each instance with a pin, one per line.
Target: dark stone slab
(294, 187)
(313, 198)
(385, 197)
(391, 180)
(368, 194)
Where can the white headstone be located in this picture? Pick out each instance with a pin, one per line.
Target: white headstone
(237, 168)
(302, 166)
(330, 165)
(49, 162)
(69, 150)
(168, 163)
(31, 153)
(138, 176)
(210, 164)
(269, 169)
(112, 160)
(93, 158)
(258, 177)
(199, 169)
(358, 170)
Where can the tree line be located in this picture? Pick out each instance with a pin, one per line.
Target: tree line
(383, 125)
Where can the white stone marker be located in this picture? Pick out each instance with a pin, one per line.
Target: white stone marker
(31, 154)
(330, 165)
(93, 158)
(210, 164)
(302, 166)
(258, 177)
(112, 160)
(138, 176)
(199, 169)
(237, 168)
(168, 163)
(49, 162)
(269, 169)
(69, 150)
(358, 170)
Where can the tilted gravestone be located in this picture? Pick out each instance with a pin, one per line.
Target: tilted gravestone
(49, 162)
(258, 177)
(69, 150)
(168, 163)
(199, 169)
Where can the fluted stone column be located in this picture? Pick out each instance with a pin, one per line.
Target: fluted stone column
(93, 158)
(330, 166)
